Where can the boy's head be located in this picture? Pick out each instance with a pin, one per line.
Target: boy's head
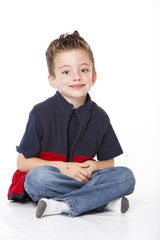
(64, 43)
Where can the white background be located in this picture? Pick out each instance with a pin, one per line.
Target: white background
(125, 39)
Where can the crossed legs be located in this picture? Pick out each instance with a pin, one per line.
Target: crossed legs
(67, 196)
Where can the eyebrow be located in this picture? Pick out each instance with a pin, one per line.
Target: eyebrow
(83, 64)
(64, 66)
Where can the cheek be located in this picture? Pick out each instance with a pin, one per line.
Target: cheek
(89, 79)
(61, 81)
(64, 79)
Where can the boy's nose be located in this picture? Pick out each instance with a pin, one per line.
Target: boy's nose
(76, 76)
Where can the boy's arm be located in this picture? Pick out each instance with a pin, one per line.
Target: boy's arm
(74, 170)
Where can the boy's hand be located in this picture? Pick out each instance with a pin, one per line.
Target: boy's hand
(79, 171)
(92, 166)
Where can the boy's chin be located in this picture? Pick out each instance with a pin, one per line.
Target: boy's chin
(75, 93)
(76, 96)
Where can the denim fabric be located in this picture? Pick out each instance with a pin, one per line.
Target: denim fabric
(105, 186)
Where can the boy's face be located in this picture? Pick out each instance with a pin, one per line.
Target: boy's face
(73, 74)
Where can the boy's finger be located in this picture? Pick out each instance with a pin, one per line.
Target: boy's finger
(79, 179)
(83, 178)
(84, 165)
(86, 174)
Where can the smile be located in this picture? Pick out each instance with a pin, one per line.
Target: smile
(77, 86)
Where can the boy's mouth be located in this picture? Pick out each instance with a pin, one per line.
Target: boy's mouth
(77, 86)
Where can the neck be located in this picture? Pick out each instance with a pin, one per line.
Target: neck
(77, 103)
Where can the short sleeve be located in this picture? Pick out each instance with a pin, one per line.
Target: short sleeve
(110, 146)
(30, 143)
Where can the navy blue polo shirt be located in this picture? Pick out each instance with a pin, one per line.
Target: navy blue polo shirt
(56, 131)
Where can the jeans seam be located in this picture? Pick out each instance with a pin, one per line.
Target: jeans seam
(92, 183)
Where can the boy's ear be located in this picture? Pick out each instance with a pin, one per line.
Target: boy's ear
(52, 81)
(94, 77)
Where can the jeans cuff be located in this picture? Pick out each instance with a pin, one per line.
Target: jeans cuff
(73, 212)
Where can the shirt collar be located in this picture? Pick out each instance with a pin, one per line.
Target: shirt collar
(66, 106)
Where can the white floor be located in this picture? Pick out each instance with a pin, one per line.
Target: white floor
(141, 222)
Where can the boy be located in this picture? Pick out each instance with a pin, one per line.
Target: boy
(56, 165)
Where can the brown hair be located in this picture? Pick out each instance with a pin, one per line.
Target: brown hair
(67, 42)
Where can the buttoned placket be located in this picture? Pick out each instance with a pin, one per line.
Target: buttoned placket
(83, 117)
(76, 139)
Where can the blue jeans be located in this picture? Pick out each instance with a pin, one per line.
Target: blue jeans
(105, 186)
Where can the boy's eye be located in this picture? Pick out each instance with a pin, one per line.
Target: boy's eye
(66, 72)
(84, 70)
